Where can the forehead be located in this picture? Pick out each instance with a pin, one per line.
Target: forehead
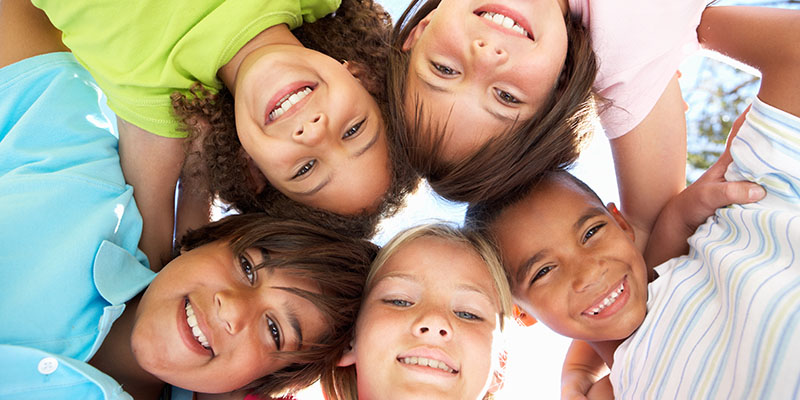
(430, 261)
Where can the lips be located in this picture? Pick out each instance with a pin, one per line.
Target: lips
(506, 19)
(289, 99)
(431, 359)
(193, 331)
(611, 301)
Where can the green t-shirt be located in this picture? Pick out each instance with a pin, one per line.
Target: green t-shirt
(142, 51)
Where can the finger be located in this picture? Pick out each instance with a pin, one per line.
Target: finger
(735, 128)
(727, 193)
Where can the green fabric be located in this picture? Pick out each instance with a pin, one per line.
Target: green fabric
(141, 51)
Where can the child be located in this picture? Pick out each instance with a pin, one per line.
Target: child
(305, 129)
(491, 95)
(435, 302)
(719, 322)
(251, 301)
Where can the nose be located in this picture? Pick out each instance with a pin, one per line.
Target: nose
(313, 131)
(232, 310)
(487, 56)
(433, 325)
(591, 273)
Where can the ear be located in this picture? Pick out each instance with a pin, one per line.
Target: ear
(348, 358)
(621, 221)
(522, 317)
(257, 178)
(499, 374)
(416, 32)
(360, 72)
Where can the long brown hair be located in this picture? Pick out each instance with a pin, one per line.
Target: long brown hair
(338, 265)
(217, 164)
(551, 138)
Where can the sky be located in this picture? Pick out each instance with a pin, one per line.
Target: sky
(535, 353)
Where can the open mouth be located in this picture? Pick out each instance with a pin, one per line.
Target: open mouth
(288, 101)
(191, 320)
(610, 299)
(505, 18)
(428, 362)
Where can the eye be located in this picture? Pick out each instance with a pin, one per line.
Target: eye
(248, 269)
(541, 273)
(275, 332)
(353, 129)
(305, 168)
(467, 315)
(506, 97)
(592, 231)
(443, 69)
(399, 302)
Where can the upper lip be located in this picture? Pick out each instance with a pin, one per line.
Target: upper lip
(599, 299)
(432, 353)
(517, 17)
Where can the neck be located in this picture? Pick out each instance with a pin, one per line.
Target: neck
(276, 35)
(606, 350)
(116, 359)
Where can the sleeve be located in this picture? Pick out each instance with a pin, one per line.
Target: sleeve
(639, 57)
(767, 151)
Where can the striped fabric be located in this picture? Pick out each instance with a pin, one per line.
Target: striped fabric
(724, 321)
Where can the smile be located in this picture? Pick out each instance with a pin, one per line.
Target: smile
(191, 320)
(610, 299)
(288, 101)
(505, 22)
(427, 362)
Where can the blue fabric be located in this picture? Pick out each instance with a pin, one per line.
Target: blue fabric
(69, 230)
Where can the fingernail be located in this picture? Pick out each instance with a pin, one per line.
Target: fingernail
(756, 193)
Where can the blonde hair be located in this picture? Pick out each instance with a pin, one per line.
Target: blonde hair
(339, 383)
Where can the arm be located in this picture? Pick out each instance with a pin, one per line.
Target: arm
(25, 32)
(650, 161)
(582, 372)
(152, 165)
(765, 38)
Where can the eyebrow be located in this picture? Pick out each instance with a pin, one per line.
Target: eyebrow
(294, 322)
(441, 89)
(413, 278)
(524, 268)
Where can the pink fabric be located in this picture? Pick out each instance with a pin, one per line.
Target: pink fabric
(639, 45)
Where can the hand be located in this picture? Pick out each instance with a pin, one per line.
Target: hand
(690, 208)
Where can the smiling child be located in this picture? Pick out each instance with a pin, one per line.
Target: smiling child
(428, 327)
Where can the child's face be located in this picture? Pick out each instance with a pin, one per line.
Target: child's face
(433, 302)
(479, 76)
(572, 263)
(312, 129)
(240, 325)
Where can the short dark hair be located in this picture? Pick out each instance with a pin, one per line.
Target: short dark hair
(481, 215)
(338, 264)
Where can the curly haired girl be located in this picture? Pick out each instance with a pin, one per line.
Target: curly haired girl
(284, 121)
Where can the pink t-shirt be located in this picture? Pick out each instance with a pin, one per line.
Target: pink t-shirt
(639, 45)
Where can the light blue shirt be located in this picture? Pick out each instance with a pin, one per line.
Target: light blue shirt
(69, 230)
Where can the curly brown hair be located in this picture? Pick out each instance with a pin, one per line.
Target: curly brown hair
(338, 264)
(216, 162)
(552, 138)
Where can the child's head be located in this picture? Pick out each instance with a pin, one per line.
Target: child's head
(305, 124)
(251, 302)
(434, 305)
(476, 99)
(571, 261)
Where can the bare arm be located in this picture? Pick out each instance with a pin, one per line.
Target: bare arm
(582, 369)
(25, 32)
(650, 161)
(152, 165)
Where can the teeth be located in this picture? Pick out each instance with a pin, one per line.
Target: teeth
(427, 362)
(288, 101)
(191, 320)
(608, 300)
(505, 22)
